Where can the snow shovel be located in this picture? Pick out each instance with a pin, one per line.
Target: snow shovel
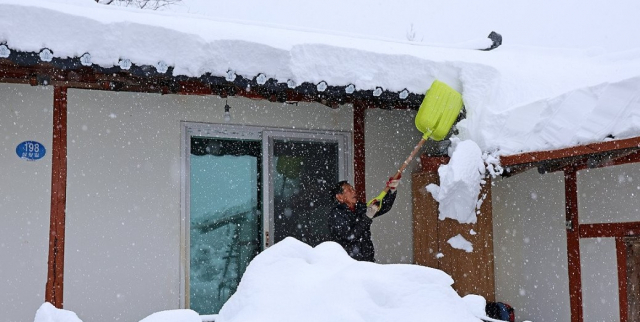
(436, 115)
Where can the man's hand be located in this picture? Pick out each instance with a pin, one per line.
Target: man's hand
(372, 210)
(393, 183)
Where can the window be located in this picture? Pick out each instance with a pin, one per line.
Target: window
(245, 188)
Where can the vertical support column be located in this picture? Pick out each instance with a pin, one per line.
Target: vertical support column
(53, 291)
(621, 255)
(573, 243)
(359, 108)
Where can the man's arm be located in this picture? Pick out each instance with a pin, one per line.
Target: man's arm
(387, 203)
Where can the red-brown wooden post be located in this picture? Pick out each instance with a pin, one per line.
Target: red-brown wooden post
(54, 287)
(573, 243)
(359, 108)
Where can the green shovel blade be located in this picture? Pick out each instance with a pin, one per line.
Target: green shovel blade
(439, 109)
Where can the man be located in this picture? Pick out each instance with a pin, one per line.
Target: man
(350, 220)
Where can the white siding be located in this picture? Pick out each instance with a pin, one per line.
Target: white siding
(530, 246)
(25, 200)
(610, 194)
(599, 270)
(390, 136)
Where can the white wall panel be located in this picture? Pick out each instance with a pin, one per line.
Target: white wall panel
(610, 194)
(390, 136)
(25, 200)
(530, 246)
(599, 270)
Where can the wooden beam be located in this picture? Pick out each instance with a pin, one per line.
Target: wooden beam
(573, 244)
(536, 157)
(621, 255)
(359, 108)
(610, 230)
(431, 164)
(55, 275)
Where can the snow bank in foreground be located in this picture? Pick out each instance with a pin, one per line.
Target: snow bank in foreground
(460, 183)
(291, 281)
(173, 316)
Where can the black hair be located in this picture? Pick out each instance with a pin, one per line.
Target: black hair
(338, 189)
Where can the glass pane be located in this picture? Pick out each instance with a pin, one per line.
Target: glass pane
(303, 173)
(225, 220)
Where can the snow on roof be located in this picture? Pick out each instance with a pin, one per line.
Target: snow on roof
(499, 87)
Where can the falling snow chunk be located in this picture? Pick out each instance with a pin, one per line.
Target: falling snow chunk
(460, 183)
(112, 115)
(458, 242)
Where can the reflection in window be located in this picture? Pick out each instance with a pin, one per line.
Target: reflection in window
(225, 221)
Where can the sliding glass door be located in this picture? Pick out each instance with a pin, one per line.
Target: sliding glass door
(301, 169)
(246, 188)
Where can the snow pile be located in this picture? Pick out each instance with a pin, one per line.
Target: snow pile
(460, 183)
(173, 316)
(291, 282)
(49, 313)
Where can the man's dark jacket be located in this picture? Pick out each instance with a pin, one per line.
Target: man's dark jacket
(352, 228)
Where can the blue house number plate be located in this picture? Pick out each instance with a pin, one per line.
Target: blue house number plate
(30, 150)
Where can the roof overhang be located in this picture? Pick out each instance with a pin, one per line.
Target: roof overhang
(29, 67)
(595, 155)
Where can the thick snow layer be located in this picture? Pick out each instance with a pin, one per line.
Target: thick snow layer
(511, 94)
(582, 116)
(291, 281)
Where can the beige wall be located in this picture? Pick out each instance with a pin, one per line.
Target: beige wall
(25, 197)
(390, 136)
(530, 246)
(610, 194)
(599, 271)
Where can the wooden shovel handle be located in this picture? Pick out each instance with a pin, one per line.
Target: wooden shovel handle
(407, 161)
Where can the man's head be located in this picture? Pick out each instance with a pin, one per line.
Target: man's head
(344, 193)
